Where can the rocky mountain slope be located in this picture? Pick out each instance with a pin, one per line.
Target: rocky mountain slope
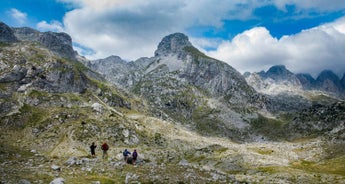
(186, 86)
(193, 119)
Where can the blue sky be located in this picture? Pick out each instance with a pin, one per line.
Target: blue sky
(250, 35)
(34, 11)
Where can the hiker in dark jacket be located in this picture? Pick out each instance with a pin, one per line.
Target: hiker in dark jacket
(93, 148)
(126, 153)
(134, 156)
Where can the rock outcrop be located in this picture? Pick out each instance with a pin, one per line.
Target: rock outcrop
(276, 80)
(330, 82)
(6, 34)
(59, 43)
(307, 81)
(173, 44)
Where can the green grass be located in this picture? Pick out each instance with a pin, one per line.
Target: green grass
(195, 52)
(33, 115)
(3, 86)
(271, 128)
(263, 151)
(101, 179)
(37, 58)
(206, 121)
(3, 44)
(328, 166)
(38, 94)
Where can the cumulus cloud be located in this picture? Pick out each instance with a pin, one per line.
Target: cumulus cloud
(54, 25)
(128, 30)
(132, 29)
(309, 51)
(19, 16)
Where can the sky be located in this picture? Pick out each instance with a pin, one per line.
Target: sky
(307, 36)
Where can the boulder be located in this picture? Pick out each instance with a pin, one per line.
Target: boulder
(71, 161)
(58, 181)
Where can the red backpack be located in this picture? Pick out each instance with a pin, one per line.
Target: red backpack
(105, 147)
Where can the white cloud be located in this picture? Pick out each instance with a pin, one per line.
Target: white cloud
(132, 29)
(19, 16)
(311, 51)
(54, 25)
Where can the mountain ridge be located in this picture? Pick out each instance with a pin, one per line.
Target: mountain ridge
(180, 82)
(327, 81)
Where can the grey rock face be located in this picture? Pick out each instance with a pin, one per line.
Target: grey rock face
(175, 56)
(16, 74)
(328, 81)
(275, 81)
(307, 81)
(26, 33)
(6, 34)
(174, 43)
(280, 74)
(312, 120)
(342, 81)
(60, 43)
(118, 71)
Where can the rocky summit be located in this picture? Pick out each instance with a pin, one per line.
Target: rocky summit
(192, 118)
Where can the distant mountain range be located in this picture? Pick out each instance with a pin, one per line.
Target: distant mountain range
(279, 79)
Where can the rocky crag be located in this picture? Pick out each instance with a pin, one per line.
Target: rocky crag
(192, 118)
(278, 80)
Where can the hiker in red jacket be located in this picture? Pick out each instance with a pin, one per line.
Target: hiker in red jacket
(105, 149)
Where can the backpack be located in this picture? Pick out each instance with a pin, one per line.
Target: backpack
(105, 147)
(126, 153)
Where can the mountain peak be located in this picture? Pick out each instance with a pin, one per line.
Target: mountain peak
(327, 74)
(278, 72)
(173, 43)
(6, 33)
(278, 69)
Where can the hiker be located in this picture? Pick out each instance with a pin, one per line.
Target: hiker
(134, 156)
(93, 148)
(105, 149)
(125, 154)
